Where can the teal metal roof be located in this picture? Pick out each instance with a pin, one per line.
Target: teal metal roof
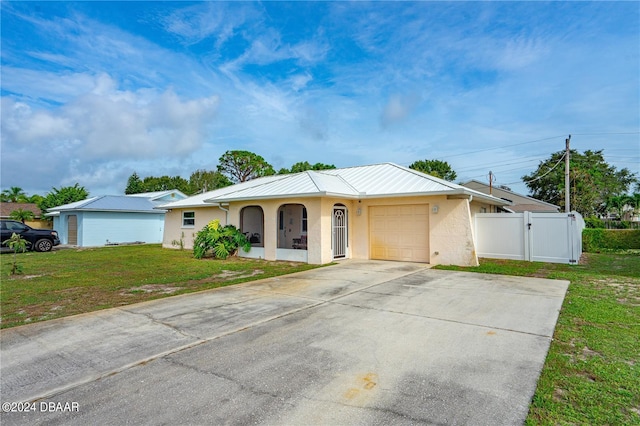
(120, 203)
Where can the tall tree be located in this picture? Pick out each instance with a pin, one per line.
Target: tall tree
(592, 181)
(303, 166)
(241, 166)
(437, 168)
(134, 185)
(35, 199)
(13, 195)
(165, 183)
(206, 180)
(63, 195)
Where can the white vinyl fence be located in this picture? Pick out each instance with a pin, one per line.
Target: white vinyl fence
(536, 237)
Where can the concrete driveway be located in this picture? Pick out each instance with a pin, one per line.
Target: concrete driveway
(362, 342)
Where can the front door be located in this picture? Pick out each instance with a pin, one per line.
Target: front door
(339, 234)
(72, 230)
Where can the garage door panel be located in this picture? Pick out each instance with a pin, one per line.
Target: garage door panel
(399, 232)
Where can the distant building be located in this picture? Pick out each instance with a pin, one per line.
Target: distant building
(39, 222)
(521, 203)
(113, 219)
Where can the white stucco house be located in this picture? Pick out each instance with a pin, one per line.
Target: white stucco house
(113, 219)
(380, 211)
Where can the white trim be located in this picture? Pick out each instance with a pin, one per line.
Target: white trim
(190, 218)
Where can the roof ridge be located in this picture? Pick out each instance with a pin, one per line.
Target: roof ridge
(253, 186)
(428, 176)
(311, 174)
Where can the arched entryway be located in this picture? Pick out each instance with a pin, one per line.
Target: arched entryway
(292, 227)
(339, 231)
(252, 225)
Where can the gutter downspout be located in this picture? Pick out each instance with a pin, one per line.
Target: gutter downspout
(226, 214)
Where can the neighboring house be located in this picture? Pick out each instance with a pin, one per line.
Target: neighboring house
(519, 203)
(113, 219)
(380, 211)
(39, 221)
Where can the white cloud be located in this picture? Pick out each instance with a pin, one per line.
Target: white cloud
(217, 20)
(108, 123)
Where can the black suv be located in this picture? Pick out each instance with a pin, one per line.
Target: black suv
(39, 239)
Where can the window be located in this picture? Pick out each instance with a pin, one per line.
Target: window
(304, 219)
(188, 219)
(281, 220)
(15, 227)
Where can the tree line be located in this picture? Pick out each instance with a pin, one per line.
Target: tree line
(233, 167)
(241, 166)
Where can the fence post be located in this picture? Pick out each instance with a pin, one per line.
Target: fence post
(526, 228)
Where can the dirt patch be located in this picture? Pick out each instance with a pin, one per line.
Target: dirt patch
(151, 288)
(559, 395)
(27, 277)
(588, 353)
(226, 275)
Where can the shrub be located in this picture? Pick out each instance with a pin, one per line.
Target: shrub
(594, 240)
(593, 222)
(222, 241)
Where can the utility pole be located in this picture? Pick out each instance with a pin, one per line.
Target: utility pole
(567, 201)
(491, 179)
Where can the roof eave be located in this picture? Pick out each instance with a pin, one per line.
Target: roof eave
(489, 199)
(154, 211)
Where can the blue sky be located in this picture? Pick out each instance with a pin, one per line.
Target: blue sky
(93, 91)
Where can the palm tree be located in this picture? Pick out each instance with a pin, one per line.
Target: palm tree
(615, 204)
(22, 215)
(14, 194)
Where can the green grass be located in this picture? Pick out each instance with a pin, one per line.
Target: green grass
(592, 371)
(67, 282)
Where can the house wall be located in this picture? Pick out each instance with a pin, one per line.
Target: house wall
(452, 236)
(60, 225)
(39, 224)
(174, 231)
(451, 239)
(96, 228)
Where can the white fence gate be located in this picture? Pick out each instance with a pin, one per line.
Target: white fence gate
(536, 237)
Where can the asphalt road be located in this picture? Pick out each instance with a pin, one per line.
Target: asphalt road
(359, 343)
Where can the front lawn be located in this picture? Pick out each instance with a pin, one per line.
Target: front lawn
(72, 281)
(592, 371)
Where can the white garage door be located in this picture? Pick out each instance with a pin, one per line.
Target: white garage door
(400, 232)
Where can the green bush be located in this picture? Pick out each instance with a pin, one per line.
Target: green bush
(222, 241)
(594, 240)
(593, 222)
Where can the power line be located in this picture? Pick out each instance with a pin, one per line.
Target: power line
(548, 171)
(500, 147)
(606, 133)
(497, 166)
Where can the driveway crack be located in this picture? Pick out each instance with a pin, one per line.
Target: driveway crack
(166, 324)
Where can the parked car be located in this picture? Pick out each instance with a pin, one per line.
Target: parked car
(39, 239)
